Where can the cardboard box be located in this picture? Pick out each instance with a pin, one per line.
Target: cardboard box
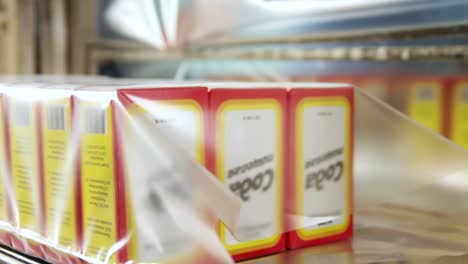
(60, 148)
(5, 207)
(458, 109)
(24, 126)
(426, 101)
(181, 111)
(319, 183)
(248, 153)
(101, 172)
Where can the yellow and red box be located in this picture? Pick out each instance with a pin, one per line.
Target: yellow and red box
(180, 110)
(101, 172)
(5, 206)
(60, 148)
(247, 154)
(320, 177)
(25, 164)
(425, 100)
(458, 110)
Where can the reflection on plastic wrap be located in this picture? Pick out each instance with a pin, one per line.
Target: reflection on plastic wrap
(380, 238)
(409, 182)
(175, 192)
(398, 161)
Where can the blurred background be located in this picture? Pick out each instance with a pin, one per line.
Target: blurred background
(411, 54)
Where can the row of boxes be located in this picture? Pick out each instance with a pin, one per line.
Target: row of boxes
(284, 149)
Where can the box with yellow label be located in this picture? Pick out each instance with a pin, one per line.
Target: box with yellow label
(181, 112)
(25, 163)
(320, 149)
(459, 112)
(248, 153)
(5, 209)
(60, 148)
(425, 102)
(100, 173)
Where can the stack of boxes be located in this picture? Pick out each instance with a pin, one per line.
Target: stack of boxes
(276, 146)
(285, 150)
(265, 136)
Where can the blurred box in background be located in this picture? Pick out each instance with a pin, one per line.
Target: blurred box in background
(62, 201)
(26, 159)
(101, 170)
(424, 99)
(181, 111)
(458, 109)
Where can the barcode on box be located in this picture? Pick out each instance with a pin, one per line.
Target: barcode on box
(55, 115)
(22, 114)
(96, 120)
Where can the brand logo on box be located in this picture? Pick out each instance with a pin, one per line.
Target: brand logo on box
(262, 181)
(333, 173)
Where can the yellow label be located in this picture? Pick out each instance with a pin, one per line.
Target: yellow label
(25, 163)
(460, 114)
(247, 131)
(3, 200)
(59, 172)
(425, 104)
(98, 180)
(323, 171)
(184, 116)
